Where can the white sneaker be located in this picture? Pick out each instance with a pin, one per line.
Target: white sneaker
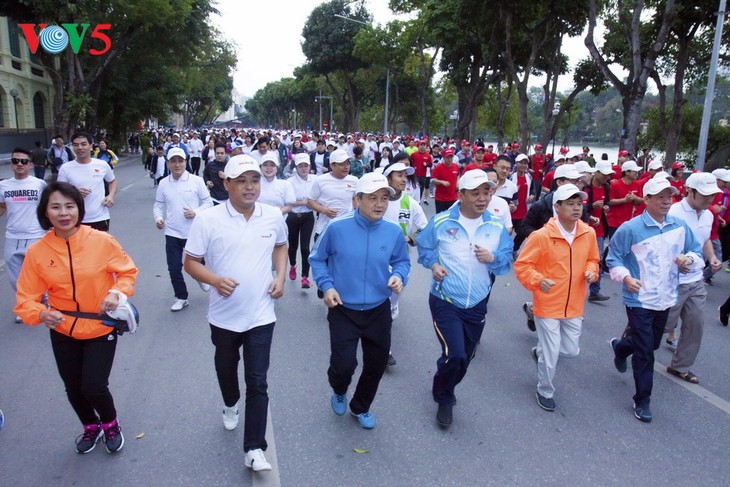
(394, 312)
(179, 304)
(256, 461)
(204, 286)
(230, 417)
(18, 319)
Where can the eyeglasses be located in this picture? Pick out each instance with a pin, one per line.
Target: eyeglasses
(16, 161)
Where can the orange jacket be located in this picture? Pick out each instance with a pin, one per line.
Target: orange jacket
(77, 274)
(546, 254)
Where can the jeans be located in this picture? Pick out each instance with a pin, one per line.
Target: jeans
(300, 227)
(174, 250)
(370, 327)
(256, 344)
(84, 366)
(459, 331)
(642, 336)
(595, 287)
(39, 172)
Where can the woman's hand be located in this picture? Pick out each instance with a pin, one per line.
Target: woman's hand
(109, 303)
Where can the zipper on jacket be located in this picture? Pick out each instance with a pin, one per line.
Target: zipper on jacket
(570, 278)
(73, 286)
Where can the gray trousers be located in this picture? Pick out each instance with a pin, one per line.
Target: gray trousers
(14, 255)
(690, 307)
(555, 338)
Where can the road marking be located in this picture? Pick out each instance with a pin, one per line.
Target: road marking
(128, 186)
(268, 479)
(695, 389)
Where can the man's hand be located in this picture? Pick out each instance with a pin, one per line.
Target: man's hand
(715, 264)
(225, 286)
(331, 298)
(395, 284)
(632, 285)
(683, 262)
(483, 255)
(590, 277)
(189, 214)
(108, 201)
(546, 285)
(593, 221)
(160, 224)
(276, 289)
(85, 192)
(330, 212)
(209, 184)
(439, 272)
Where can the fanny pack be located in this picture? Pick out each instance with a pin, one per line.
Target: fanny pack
(123, 319)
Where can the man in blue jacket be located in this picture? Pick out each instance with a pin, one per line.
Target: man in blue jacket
(358, 260)
(461, 246)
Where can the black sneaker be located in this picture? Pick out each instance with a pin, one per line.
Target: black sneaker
(86, 441)
(594, 298)
(444, 415)
(391, 360)
(533, 352)
(642, 413)
(526, 307)
(113, 437)
(547, 403)
(723, 317)
(620, 364)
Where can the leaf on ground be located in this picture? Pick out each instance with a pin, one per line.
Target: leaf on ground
(360, 450)
(140, 435)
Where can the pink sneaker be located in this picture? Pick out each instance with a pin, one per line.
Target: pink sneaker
(305, 282)
(293, 273)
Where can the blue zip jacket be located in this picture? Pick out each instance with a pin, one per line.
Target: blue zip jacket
(644, 251)
(445, 241)
(355, 255)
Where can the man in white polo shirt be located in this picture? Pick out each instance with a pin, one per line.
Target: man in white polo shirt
(88, 175)
(239, 240)
(180, 196)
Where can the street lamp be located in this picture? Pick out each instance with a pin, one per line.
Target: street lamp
(319, 99)
(14, 93)
(556, 110)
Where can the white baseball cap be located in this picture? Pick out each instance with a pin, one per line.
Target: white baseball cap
(654, 165)
(567, 191)
(397, 166)
(704, 182)
(583, 166)
(722, 174)
(567, 171)
(302, 159)
(372, 182)
(520, 157)
(338, 156)
(240, 164)
(630, 166)
(269, 157)
(604, 167)
(175, 151)
(658, 184)
(474, 178)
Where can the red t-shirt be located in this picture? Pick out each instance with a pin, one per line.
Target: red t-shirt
(680, 187)
(547, 181)
(617, 214)
(442, 172)
(421, 161)
(616, 172)
(537, 164)
(474, 165)
(489, 158)
(598, 212)
(522, 193)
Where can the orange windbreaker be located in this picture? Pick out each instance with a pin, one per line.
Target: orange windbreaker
(77, 274)
(546, 254)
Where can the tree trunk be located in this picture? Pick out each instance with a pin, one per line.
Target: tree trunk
(502, 106)
(675, 126)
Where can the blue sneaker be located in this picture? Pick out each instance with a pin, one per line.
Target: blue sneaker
(339, 403)
(2, 420)
(365, 419)
(620, 364)
(642, 413)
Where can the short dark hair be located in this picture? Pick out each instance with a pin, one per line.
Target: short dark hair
(400, 156)
(503, 158)
(22, 151)
(59, 136)
(67, 190)
(357, 151)
(37, 143)
(85, 135)
(576, 195)
(219, 146)
(262, 140)
(159, 147)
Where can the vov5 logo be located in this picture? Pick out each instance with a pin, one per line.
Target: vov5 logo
(54, 39)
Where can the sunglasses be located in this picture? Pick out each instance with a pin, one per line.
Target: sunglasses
(15, 160)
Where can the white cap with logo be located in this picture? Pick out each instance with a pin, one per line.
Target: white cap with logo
(372, 182)
(175, 151)
(473, 179)
(658, 184)
(704, 182)
(567, 191)
(240, 164)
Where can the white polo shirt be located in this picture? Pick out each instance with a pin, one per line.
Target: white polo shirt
(500, 207)
(278, 192)
(173, 196)
(239, 249)
(701, 226)
(333, 193)
(507, 190)
(302, 191)
(90, 175)
(21, 197)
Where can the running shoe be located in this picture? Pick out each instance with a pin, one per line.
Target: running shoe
(306, 284)
(230, 417)
(113, 437)
(293, 273)
(86, 441)
(256, 461)
(338, 403)
(365, 420)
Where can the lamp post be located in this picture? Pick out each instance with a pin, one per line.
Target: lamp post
(556, 110)
(319, 99)
(14, 93)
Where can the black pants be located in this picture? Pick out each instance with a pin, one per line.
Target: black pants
(102, 225)
(424, 183)
(174, 248)
(300, 227)
(443, 205)
(256, 344)
(195, 162)
(347, 328)
(519, 235)
(84, 366)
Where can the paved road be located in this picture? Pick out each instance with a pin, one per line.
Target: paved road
(165, 387)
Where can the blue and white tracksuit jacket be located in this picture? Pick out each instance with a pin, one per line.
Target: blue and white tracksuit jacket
(354, 255)
(445, 241)
(644, 251)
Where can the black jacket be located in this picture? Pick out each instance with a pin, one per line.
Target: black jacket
(540, 213)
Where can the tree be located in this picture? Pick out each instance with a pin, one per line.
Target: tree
(625, 45)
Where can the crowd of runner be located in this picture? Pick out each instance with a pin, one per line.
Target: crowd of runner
(243, 210)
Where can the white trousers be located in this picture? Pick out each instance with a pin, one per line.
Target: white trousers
(554, 338)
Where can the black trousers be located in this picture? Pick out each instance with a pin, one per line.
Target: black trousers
(300, 227)
(348, 327)
(102, 225)
(195, 163)
(84, 366)
(174, 248)
(443, 205)
(256, 344)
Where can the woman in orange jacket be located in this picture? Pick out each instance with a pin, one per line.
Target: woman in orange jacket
(555, 263)
(81, 270)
